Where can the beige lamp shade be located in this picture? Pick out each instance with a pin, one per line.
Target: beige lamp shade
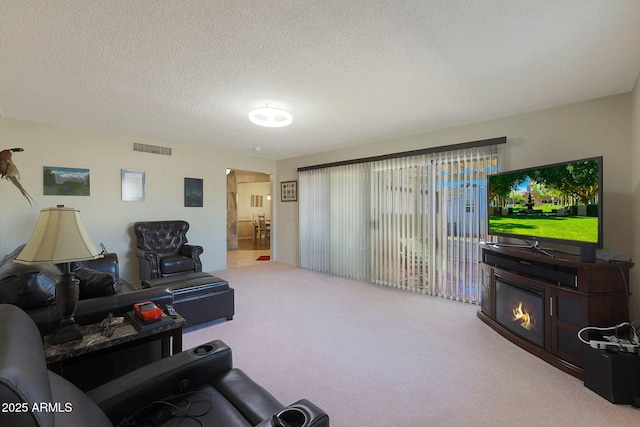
(59, 237)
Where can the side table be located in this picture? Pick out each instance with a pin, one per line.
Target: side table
(94, 345)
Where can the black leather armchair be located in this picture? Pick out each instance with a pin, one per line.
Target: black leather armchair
(195, 387)
(162, 249)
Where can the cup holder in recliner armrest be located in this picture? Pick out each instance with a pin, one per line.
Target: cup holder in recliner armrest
(302, 413)
(202, 350)
(291, 417)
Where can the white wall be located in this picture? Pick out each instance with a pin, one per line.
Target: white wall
(108, 219)
(597, 127)
(245, 191)
(634, 201)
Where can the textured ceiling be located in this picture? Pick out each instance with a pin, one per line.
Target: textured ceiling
(350, 72)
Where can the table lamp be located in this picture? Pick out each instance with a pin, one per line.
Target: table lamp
(60, 238)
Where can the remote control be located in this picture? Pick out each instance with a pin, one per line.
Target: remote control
(171, 311)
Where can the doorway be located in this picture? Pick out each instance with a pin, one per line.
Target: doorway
(248, 218)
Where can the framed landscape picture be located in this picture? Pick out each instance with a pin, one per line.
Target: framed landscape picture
(192, 193)
(289, 191)
(59, 181)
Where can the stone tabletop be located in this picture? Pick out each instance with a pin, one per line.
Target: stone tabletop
(93, 339)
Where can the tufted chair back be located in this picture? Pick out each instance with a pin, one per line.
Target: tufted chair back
(163, 250)
(162, 237)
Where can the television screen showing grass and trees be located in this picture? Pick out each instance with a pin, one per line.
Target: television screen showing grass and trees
(557, 202)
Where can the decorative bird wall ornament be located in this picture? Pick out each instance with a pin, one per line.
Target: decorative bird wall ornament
(8, 170)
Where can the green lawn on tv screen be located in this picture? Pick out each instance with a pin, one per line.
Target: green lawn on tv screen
(580, 228)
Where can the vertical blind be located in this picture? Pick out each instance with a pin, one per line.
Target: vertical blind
(409, 222)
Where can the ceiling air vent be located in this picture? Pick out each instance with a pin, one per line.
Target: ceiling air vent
(148, 148)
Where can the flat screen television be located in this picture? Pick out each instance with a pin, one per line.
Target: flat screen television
(559, 203)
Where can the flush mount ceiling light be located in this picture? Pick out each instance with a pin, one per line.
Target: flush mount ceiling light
(271, 117)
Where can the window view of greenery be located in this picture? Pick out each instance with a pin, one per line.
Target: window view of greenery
(558, 202)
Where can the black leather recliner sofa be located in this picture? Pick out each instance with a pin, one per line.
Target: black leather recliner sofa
(199, 387)
(198, 297)
(32, 288)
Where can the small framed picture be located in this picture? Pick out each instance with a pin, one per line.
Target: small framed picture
(289, 191)
(192, 193)
(132, 185)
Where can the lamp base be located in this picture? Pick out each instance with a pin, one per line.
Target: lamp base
(67, 292)
(67, 332)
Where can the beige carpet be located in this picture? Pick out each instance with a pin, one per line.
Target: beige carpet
(373, 356)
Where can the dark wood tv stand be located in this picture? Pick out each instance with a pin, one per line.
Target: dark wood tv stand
(576, 294)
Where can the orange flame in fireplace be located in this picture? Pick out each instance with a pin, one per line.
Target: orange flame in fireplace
(526, 320)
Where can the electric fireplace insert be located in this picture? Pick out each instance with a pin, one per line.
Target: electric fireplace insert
(520, 309)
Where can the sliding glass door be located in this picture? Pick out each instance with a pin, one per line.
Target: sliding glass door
(460, 220)
(401, 223)
(410, 222)
(334, 221)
